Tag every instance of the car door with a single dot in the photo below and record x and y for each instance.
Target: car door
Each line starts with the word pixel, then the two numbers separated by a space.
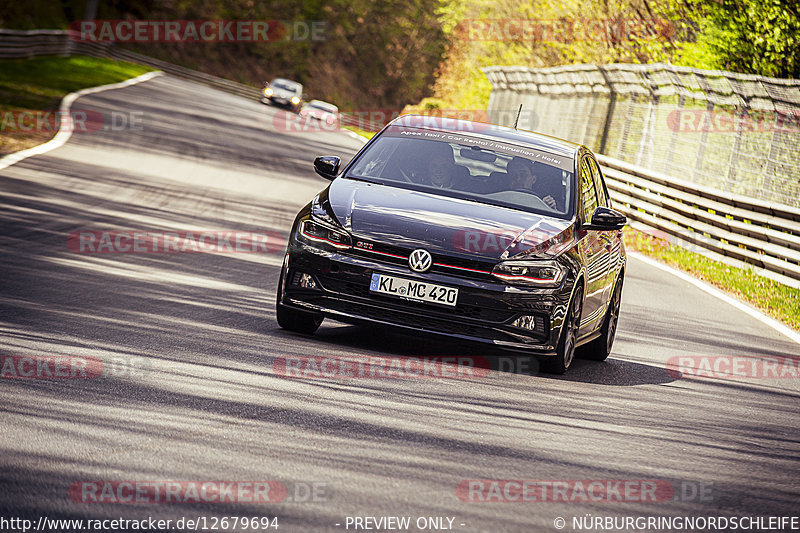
pixel 594 252
pixel 612 240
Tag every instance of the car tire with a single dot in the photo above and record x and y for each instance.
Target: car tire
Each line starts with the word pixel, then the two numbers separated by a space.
pixel 294 319
pixel 600 348
pixel 297 321
pixel 565 350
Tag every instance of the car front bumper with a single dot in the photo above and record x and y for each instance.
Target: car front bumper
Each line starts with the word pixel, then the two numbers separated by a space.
pixel 484 311
pixel 277 100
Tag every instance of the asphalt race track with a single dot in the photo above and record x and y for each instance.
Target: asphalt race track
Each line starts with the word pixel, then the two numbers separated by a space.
pixel 188 341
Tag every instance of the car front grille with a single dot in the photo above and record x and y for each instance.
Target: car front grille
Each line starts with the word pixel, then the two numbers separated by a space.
pixel 442 264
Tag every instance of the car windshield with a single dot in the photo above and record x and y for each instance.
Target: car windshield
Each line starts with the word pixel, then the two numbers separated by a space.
pixel 472 168
pixel 286 86
pixel 329 108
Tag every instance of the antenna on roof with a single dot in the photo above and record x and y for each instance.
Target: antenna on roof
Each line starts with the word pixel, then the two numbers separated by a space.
pixel 519 112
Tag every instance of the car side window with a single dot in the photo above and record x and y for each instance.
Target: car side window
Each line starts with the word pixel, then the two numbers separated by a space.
pixel 588 190
pixel 598 182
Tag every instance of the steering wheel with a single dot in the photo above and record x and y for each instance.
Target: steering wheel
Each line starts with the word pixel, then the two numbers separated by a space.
pixel 539 201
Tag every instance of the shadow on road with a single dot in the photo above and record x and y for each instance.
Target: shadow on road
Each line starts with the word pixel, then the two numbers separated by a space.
pixel 384 341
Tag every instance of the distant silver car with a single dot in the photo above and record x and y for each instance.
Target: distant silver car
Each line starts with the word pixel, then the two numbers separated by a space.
pixel 322 111
pixel 285 93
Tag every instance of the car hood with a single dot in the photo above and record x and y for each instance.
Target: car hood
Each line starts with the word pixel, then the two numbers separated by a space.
pixel 450 226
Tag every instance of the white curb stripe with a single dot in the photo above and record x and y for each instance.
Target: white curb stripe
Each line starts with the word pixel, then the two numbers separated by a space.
pixel 357 137
pixel 65 128
pixel 713 291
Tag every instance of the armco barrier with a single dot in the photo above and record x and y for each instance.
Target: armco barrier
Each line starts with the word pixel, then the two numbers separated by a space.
pixel 759 233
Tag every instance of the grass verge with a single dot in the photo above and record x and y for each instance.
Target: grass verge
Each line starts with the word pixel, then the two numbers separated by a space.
pixel 363 133
pixel 775 299
pixel 38 85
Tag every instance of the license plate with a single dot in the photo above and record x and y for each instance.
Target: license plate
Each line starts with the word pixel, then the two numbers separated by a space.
pixel 419 291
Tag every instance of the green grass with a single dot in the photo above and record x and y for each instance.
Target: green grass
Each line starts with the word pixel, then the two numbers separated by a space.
pixel 363 133
pixel 775 299
pixel 39 84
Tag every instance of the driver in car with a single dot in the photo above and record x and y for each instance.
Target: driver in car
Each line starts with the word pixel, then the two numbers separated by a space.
pixel 523 178
pixel 441 171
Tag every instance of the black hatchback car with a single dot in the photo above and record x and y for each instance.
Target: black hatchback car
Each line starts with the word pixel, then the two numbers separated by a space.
pixel 465 229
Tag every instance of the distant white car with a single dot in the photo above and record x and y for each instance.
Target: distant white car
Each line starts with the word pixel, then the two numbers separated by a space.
pixel 322 111
pixel 286 93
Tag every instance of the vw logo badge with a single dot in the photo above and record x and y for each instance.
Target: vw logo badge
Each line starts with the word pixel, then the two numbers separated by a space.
pixel 420 260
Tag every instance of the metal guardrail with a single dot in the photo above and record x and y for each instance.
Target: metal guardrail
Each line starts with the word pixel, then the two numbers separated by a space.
pixel 759 233
pixel 16 44
pixel 356 120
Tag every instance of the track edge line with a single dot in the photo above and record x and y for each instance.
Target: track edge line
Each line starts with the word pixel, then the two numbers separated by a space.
pixel 725 297
pixel 65 128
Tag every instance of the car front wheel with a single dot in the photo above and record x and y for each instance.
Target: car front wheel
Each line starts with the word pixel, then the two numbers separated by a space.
pixel 297 321
pixel 600 348
pixel 565 351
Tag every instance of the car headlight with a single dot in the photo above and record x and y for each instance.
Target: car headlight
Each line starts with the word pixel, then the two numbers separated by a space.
pixel 295 100
pixel 267 92
pixel 534 273
pixel 316 232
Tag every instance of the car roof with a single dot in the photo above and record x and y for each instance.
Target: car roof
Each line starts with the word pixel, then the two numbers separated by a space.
pixel 490 131
pixel 284 80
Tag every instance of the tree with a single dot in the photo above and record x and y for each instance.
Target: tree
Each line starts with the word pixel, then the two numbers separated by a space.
pixel 748 36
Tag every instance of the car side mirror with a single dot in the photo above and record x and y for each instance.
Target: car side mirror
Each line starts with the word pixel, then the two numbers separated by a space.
pixel 605 219
pixel 327 166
